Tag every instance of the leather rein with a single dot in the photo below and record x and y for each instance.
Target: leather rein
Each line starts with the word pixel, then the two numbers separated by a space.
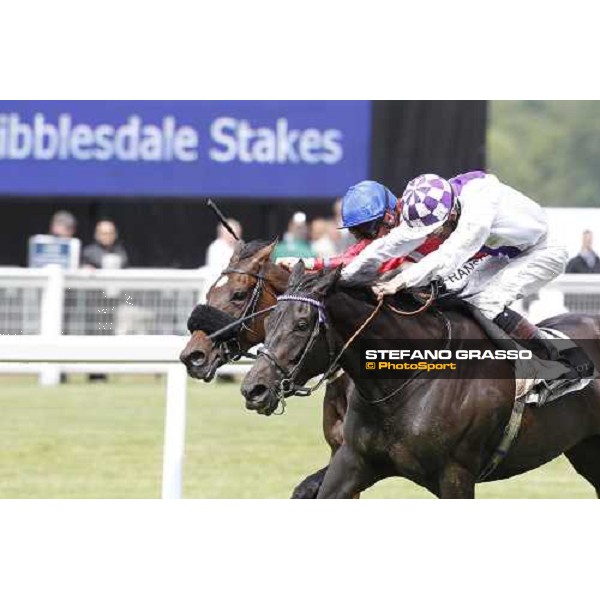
pixel 288 387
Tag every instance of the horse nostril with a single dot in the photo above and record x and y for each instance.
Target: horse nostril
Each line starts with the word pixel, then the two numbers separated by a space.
pixel 259 390
pixel 196 359
pixel 255 392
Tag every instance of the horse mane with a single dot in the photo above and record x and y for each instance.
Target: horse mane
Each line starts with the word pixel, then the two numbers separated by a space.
pixel 210 319
pixel 407 299
pixel 306 282
pixel 404 300
pixel 249 249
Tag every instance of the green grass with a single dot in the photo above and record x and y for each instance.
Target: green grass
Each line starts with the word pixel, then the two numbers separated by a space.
pixel 83 440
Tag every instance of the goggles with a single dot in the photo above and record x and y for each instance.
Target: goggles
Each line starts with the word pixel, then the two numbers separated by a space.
pixel 367 230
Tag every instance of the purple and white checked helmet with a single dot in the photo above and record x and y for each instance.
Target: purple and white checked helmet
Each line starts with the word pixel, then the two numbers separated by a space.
pixel 426 202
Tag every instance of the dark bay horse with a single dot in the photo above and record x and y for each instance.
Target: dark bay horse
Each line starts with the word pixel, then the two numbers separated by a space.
pixel 438 433
pixel 250 283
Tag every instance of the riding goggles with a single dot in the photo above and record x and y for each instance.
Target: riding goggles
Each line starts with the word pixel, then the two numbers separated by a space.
pixel 368 230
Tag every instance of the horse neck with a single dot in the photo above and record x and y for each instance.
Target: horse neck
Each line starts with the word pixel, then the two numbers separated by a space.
pixel 346 314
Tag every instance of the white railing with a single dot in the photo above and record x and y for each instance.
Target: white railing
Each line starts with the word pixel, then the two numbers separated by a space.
pixel 40 296
pixel 119 354
pixel 567 293
pixel 153 354
pixel 52 301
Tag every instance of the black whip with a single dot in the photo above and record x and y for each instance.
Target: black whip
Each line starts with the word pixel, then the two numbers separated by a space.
pixel 221 218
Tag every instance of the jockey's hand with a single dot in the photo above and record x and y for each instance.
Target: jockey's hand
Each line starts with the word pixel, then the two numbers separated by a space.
pixel 388 288
pixel 289 262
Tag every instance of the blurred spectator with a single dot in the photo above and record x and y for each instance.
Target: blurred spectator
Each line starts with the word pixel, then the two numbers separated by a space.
pixel 587 261
pixel 322 234
pixel 106 252
pixel 220 250
pixel 295 239
pixel 59 246
pixel 343 238
pixel 63 224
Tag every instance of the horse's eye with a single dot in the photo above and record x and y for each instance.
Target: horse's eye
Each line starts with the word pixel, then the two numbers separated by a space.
pixel 239 295
pixel 302 325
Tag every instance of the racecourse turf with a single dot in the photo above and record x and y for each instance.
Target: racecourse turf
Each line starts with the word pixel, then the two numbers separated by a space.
pixel 104 440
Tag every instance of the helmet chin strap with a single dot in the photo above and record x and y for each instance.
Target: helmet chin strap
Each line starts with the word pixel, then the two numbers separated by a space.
pixel 390 218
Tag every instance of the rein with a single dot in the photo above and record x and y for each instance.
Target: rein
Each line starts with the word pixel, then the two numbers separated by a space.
pixel 287 387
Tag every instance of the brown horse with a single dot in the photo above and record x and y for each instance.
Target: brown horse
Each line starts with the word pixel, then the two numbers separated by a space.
pixel 250 283
pixel 438 433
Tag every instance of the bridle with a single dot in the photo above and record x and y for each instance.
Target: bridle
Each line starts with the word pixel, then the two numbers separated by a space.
pixel 288 387
pixel 231 348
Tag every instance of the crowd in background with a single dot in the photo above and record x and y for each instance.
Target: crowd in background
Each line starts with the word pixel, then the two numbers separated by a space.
pixel 105 252
pixel 304 239
pixel 319 237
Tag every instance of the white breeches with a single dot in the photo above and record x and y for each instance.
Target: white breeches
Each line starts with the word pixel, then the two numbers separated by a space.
pixel 495 282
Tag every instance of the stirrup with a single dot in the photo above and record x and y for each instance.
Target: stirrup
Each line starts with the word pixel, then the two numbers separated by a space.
pixel 546 389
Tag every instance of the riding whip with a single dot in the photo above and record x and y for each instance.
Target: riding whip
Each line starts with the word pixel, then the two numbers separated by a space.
pixel 221 218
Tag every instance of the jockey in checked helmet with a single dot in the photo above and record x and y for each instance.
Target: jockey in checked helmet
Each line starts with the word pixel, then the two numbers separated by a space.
pixel 487 241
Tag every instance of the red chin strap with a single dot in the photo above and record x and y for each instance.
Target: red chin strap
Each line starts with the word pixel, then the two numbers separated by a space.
pixel 390 218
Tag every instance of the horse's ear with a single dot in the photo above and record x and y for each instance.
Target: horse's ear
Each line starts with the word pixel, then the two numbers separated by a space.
pixel 264 254
pixel 327 279
pixel 296 274
pixel 237 248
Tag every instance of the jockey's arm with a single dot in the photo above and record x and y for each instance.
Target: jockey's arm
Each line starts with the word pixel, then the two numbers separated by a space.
pixel 479 206
pixel 316 264
pixel 365 267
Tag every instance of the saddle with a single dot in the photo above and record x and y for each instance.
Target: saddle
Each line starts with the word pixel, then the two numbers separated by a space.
pixel 540 381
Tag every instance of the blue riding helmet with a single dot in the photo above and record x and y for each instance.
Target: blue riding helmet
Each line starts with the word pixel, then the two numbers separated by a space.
pixel 364 202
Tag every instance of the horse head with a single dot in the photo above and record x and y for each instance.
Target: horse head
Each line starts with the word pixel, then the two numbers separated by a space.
pixel 297 346
pixel 249 283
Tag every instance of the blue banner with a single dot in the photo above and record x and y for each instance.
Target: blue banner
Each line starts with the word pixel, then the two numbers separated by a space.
pixel 189 148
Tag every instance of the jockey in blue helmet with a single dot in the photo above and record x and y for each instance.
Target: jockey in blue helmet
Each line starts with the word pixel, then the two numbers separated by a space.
pixel 369 211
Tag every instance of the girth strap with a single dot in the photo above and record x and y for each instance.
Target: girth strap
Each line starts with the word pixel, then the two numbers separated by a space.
pixel 508 437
